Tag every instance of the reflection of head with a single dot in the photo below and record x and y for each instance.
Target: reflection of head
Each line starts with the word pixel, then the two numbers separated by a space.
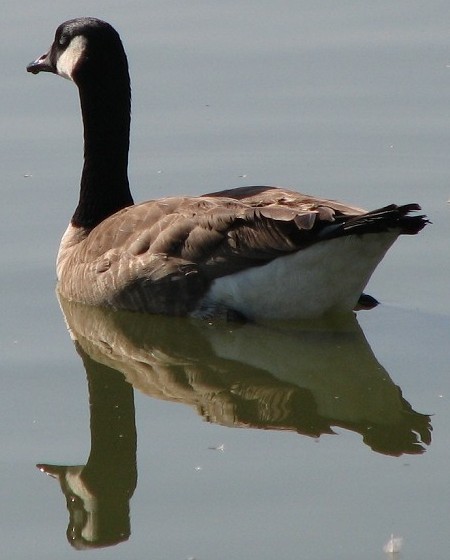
pixel 94 520
pixel 98 493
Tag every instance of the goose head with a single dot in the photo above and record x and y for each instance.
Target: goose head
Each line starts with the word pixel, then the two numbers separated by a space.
pixel 83 47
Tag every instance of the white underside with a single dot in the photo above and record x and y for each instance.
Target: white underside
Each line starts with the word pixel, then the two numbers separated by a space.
pixel 324 278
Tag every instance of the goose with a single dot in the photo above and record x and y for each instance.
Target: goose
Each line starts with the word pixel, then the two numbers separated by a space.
pixel 252 253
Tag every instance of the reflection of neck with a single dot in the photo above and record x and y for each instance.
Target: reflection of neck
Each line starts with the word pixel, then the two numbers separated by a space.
pixel 111 469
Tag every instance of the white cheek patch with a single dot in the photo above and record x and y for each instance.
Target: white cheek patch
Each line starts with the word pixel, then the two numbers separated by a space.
pixel 70 57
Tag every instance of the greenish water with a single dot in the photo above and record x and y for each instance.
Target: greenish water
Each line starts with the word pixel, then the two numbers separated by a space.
pixel 317 441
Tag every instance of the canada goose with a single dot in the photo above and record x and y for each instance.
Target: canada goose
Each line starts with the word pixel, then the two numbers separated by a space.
pixel 253 252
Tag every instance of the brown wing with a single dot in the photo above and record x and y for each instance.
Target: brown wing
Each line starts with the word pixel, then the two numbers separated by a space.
pixel 179 245
pixel 268 196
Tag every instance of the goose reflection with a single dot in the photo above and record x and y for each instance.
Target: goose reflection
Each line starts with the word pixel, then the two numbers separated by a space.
pixel 307 380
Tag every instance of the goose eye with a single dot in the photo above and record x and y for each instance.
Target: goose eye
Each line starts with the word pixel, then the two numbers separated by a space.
pixel 63 40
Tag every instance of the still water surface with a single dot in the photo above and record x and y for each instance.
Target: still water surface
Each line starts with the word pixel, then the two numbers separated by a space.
pixel 236 441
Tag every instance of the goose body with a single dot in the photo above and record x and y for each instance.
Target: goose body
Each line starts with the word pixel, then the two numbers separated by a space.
pixel 255 252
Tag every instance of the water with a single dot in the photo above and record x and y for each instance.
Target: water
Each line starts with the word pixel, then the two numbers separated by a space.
pixel 347 101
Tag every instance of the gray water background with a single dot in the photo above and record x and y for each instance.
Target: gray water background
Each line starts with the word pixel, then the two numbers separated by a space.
pixel 346 100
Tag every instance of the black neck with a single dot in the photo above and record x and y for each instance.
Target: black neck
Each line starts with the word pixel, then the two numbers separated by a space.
pixel 105 107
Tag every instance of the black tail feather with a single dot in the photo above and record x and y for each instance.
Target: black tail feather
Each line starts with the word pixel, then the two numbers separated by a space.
pixel 377 221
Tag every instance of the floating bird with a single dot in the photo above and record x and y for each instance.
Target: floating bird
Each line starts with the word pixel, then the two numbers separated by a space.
pixel 254 252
